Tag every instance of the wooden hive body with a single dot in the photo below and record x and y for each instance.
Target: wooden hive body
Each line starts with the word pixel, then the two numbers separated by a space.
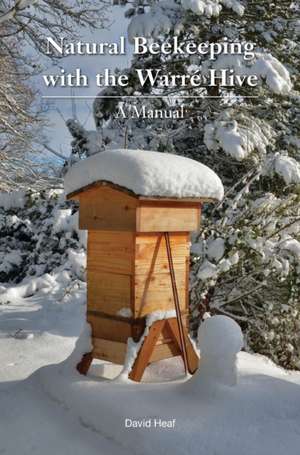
pixel 128 274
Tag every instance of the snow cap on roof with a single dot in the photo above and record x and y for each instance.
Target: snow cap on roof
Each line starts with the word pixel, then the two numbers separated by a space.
pixel 146 173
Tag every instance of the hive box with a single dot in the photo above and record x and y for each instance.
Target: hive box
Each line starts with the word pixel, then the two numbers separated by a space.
pixel 128 274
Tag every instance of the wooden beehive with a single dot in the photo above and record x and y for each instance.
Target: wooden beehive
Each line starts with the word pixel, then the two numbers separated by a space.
pixel 128 275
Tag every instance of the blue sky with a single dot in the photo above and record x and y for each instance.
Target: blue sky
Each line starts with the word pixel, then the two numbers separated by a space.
pixel 57 134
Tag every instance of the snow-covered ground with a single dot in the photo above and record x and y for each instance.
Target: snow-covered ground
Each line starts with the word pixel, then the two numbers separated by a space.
pixel 46 407
pixel 54 410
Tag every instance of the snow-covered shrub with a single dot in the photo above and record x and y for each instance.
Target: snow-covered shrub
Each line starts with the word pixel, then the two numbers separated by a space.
pixel 253 272
pixel 39 237
pixel 239 135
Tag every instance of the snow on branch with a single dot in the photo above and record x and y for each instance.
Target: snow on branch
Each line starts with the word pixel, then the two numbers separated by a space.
pixel 158 21
pixel 285 166
pixel 237 136
pixel 19 6
pixel 33 20
pixel 212 8
pixel 166 14
pixel 264 65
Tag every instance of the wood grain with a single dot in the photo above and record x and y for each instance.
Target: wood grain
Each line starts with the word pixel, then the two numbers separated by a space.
pixel 109 329
pixel 145 246
pixel 108 292
pixel 107 209
pixel 159 295
pixel 113 351
pixel 146 350
pixel 112 252
pixel 163 217
pixel 164 351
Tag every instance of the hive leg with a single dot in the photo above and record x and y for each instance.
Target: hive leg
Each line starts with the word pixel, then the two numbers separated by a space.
pixel 146 350
pixel 192 357
pixel 85 363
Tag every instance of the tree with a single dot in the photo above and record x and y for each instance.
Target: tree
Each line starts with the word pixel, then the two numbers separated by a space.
pixel 246 257
pixel 33 20
pixel 25 24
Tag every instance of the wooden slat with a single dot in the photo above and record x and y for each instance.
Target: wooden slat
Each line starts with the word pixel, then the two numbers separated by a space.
pixel 110 251
pixel 108 292
pixel 164 351
pixel 162 217
pixel 109 329
pixel 159 295
pixel 107 209
pixel 144 250
pixel 194 200
pixel 113 351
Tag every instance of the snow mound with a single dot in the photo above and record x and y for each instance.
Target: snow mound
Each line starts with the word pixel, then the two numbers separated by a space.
pixel 147 173
pixel 219 336
pixel 220 340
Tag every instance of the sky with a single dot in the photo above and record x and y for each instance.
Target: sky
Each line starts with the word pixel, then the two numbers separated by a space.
pixel 59 110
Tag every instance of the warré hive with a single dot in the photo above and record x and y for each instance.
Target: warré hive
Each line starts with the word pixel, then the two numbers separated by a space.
pixel 128 272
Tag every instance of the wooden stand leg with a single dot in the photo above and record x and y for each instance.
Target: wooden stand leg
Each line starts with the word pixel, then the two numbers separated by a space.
pixel 85 363
pixel 192 357
pixel 146 350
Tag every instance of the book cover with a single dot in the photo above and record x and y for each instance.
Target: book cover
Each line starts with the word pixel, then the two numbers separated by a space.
pixel 149 227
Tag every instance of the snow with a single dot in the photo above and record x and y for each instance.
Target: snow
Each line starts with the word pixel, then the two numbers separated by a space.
pixel 212 8
pixel 237 138
pixel 293 246
pixel 61 222
pixel 207 270
pixel 77 261
pixel 235 5
pixel 147 173
pixel 215 249
pixel 15 199
pixel 287 167
pixel 31 285
pixel 266 67
pixel 220 339
pixel 9 260
pixel 55 410
pixel 125 312
pixel 203 7
pixel 154 23
pixel 219 336
pixel 164 15
pixel 149 25
pixel 275 74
